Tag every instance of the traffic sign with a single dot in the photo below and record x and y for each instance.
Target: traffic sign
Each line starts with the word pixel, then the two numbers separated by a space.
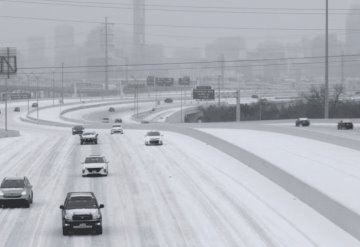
pixel 204 93
pixel 16 96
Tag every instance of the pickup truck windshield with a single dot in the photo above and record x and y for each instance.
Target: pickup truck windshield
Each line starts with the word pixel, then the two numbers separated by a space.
pixel 153 133
pixel 94 160
pixel 81 202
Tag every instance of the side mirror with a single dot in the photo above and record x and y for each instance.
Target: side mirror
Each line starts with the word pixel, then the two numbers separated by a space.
pixel 101 206
pixel 61 206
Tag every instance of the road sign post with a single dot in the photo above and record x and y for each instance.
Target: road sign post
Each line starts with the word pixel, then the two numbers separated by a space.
pixel 8 66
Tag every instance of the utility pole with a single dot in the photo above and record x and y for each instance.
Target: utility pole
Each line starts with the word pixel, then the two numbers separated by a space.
pixel 106 56
pixel 62 83
pixel 326 103
pixel 126 72
pixel 260 108
pixel 219 90
pixel 37 98
pixel 181 105
pixel 238 110
pixel 342 68
pixel 53 87
pixel 222 70
pixel 28 89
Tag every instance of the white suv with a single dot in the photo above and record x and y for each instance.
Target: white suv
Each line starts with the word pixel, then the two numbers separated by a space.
pixel 117 128
pixel 153 138
pixel 95 165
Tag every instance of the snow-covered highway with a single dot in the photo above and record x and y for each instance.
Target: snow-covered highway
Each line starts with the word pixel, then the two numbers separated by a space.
pixel 185 193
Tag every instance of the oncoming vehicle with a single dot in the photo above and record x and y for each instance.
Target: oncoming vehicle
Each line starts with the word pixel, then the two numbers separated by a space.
pixel 89 137
pixel 77 130
pixel 304 122
pixel 95 165
pixel 117 128
pixel 17 109
pixel 81 211
pixel 153 138
pixel 111 109
pixel 16 189
pixel 34 104
pixel 168 100
pixel 105 120
pixel 118 120
pixel 345 124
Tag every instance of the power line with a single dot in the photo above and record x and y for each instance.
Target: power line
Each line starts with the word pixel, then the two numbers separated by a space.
pixel 206 68
pixel 167 9
pixel 179 26
pixel 193 6
pixel 190 63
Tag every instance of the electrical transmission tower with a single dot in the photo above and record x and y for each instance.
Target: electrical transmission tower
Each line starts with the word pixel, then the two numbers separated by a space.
pixel 139 30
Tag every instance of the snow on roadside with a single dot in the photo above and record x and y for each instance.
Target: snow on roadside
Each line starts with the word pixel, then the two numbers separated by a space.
pixel 317 163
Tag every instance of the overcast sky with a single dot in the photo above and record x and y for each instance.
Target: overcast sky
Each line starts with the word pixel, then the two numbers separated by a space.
pixel 14 32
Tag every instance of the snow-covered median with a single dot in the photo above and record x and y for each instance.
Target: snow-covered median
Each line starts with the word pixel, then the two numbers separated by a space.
pixel 332 169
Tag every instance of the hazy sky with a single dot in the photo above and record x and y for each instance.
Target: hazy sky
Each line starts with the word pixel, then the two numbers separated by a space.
pixel 14 32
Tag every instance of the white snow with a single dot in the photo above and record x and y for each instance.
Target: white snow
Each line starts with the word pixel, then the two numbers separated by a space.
pixel 332 169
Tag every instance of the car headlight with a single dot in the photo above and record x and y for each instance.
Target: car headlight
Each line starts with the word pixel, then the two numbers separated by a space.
pixel 97 216
pixel 23 193
pixel 68 217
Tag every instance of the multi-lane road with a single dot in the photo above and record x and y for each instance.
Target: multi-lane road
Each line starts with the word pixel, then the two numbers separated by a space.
pixel 184 193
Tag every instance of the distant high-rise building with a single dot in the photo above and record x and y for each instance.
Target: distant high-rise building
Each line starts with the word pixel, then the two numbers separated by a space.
pixel 229 47
pixel 64 45
pixel 36 56
pixel 352 43
pixel 138 31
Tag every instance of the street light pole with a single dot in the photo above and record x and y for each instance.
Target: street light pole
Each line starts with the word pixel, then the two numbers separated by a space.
pixel 326 103
pixel 62 83
pixel 53 87
pixel 28 89
pixel 37 98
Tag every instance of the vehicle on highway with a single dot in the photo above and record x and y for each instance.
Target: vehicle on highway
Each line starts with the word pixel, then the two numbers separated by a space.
pixel 118 120
pixel 117 128
pixel 168 100
pixel 95 165
pixel 34 104
pixel 105 120
pixel 81 211
pixel 254 96
pixel 77 130
pixel 153 138
pixel 145 121
pixel 17 109
pixel 345 124
pixel 111 109
pixel 16 190
pixel 89 137
pixel 304 122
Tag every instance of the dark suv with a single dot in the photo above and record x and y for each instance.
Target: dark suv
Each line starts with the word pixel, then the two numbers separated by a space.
pixel 77 130
pixel 81 211
pixel 304 122
pixel 16 189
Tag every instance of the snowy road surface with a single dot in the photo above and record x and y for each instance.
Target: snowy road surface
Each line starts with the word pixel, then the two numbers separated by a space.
pixel 184 193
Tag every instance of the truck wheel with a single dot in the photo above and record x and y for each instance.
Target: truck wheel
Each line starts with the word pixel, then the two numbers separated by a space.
pixel 99 230
pixel 32 198
pixel 65 231
pixel 95 141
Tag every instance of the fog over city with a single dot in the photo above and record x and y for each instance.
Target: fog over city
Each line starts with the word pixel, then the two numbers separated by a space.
pixel 179 123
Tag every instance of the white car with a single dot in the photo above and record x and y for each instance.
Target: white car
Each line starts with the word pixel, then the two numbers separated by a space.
pixel 95 165
pixel 117 128
pixel 154 138
pixel 106 120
